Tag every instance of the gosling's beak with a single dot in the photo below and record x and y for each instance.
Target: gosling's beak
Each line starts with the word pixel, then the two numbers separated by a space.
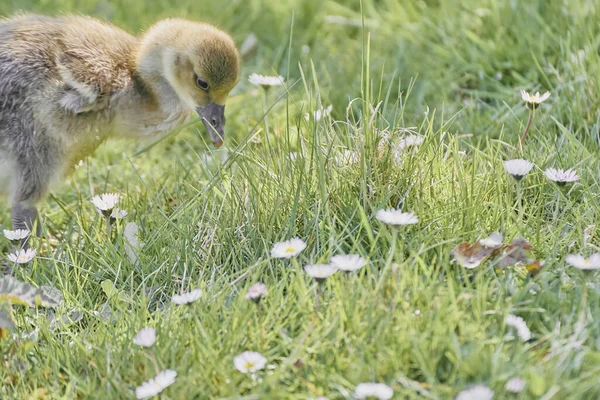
pixel 213 118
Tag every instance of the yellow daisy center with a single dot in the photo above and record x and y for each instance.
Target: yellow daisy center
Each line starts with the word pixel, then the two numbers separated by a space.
pixel 248 365
pixel 290 249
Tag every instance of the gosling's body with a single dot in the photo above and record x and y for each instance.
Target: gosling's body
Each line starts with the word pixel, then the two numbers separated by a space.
pixel 69 83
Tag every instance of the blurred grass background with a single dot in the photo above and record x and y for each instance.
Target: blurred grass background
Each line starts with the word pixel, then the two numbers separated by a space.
pixel 463 52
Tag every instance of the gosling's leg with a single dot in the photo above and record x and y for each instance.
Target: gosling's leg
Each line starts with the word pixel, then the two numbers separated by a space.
pixel 25 217
pixel 29 189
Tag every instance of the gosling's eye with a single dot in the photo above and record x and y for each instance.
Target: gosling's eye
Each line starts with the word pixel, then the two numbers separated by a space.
pixel 201 83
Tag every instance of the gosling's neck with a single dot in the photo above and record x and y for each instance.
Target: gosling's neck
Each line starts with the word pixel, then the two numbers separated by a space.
pixel 151 106
pixel 150 68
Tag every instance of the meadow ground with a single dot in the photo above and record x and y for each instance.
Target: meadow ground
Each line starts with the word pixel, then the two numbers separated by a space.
pixel 447 70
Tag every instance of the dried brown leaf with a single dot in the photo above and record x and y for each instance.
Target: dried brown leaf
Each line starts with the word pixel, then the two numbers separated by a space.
pixel 471 255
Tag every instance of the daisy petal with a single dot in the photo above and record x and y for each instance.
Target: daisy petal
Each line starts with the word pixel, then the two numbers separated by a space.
pixel 348 262
pixel 249 361
pixel 580 262
pixel 288 249
pixel 517 168
pixel 320 271
pixel 266 81
pixel 18 234
pixel 187 298
pixel 520 326
pixel 156 385
pixel 396 217
pixel 379 391
pixel 476 392
pixel 145 337
pixel 22 256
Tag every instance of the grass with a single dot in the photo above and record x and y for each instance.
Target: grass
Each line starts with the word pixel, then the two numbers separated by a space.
pixel 448 70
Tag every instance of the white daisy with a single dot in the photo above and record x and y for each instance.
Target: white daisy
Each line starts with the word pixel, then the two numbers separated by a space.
pixel 145 337
pixel 18 234
pixel 117 213
pixel 476 392
pixel 249 361
pixel 348 262
pixel 156 385
pixel 534 99
pixel 396 217
pixel 410 141
pixel 288 249
pixel 402 145
pixel 379 391
pixel 22 256
pixel 266 81
pixel 580 262
pixel 256 291
pixel 518 168
pixel 187 298
pixel 520 326
pixel 320 271
pixel 494 241
pixel 561 176
pixel 515 385
pixel 105 202
pixel 320 113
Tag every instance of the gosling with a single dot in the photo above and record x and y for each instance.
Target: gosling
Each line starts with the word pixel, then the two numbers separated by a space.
pixel 69 83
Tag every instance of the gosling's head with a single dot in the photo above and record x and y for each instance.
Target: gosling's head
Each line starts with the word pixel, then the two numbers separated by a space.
pixel 199 62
